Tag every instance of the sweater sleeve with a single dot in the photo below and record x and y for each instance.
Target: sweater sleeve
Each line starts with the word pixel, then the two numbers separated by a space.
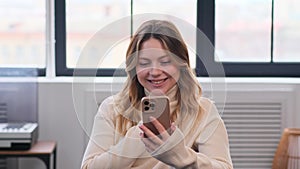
pixel 102 152
pixel 212 143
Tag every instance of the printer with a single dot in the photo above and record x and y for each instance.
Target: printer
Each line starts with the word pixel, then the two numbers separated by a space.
pixel 18 114
pixel 18 136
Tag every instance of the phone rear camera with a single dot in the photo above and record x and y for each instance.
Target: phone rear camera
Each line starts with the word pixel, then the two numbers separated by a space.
pixel 152 105
pixel 146 102
pixel 146 108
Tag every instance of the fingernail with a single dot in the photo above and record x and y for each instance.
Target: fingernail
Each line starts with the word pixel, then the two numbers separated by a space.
pixel 142 127
pixel 173 127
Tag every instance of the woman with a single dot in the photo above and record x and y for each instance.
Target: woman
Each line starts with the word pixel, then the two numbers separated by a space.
pixel 157 61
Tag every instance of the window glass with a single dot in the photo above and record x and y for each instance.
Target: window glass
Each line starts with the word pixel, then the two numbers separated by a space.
pixel 243 30
pixel 182 9
pixel 84 20
pixel 22 26
pixel 286 31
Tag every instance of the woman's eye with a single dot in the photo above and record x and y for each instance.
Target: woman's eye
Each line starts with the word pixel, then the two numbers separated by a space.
pixel 165 62
pixel 144 63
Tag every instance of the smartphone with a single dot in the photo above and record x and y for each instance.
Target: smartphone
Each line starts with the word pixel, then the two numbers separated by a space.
pixel 159 108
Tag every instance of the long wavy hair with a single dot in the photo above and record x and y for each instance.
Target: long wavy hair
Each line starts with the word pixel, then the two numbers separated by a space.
pixel 127 101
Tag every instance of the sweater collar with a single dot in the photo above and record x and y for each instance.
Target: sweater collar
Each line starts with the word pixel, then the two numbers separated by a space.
pixel 171 94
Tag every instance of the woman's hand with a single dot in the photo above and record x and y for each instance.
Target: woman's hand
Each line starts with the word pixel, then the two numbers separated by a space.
pixel 152 141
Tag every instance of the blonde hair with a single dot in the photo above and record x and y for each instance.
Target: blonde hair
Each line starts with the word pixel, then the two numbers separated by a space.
pixel 127 101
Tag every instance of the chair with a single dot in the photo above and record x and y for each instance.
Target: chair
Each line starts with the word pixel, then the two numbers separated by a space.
pixel 287 155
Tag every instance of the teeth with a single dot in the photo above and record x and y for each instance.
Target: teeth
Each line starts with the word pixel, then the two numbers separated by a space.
pixel 157 82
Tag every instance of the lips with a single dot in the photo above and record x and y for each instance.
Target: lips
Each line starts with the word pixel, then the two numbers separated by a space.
pixel 158 82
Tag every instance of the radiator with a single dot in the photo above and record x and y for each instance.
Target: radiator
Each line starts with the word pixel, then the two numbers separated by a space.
pixel 254 130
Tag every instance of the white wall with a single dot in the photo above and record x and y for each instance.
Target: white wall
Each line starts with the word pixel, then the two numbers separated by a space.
pixel 58 119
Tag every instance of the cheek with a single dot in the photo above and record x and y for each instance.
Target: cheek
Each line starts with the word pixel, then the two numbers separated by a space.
pixel 174 72
pixel 141 74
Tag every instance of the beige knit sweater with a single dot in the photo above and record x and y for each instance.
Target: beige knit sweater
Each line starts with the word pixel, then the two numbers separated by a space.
pixel 108 150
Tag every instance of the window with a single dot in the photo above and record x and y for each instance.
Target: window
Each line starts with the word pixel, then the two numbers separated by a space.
pixel 286 31
pixel 84 21
pixel 252 38
pixel 23 41
pixel 236 25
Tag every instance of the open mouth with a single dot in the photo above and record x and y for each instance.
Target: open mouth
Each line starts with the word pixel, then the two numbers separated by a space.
pixel 157 82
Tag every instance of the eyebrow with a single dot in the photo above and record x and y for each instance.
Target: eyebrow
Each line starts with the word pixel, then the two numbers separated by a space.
pixel 160 57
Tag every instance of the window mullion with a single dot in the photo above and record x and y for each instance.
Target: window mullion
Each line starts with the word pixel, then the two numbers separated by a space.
pixel 272 32
pixel 50 39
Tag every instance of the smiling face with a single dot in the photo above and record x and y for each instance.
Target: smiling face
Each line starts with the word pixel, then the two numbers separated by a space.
pixel 155 68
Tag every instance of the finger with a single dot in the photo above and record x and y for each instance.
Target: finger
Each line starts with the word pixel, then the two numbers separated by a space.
pixel 142 134
pixel 149 145
pixel 160 128
pixel 173 127
pixel 150 135
pixel 146 131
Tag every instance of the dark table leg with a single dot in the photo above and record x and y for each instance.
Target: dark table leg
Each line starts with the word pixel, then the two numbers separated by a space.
pixel 46 160
pixel 54 158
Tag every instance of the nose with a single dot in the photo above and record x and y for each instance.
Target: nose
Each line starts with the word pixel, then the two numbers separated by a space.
pixel 154 71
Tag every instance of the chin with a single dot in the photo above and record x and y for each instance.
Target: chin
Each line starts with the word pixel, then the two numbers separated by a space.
pixel 158 91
